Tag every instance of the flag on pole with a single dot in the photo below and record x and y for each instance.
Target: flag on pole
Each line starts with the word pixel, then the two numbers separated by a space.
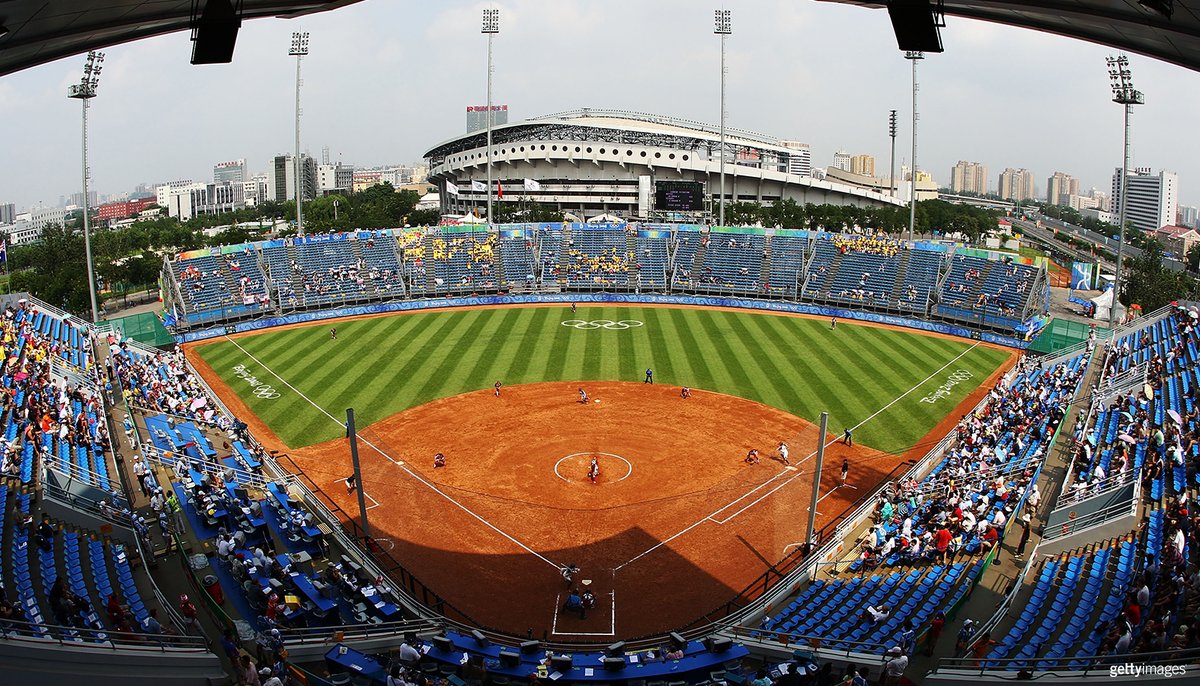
pixel 4 250
pixel 451 188
pixel 531 185
pixel 171 318
pixel 479 186
pixel 499 190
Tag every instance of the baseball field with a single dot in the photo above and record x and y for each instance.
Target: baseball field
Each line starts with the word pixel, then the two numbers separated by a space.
pixel 676 523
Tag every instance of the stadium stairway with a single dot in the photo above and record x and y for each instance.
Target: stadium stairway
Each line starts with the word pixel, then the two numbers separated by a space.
pixel 828 278
pixel 901 272
pixel 696 268
pixel 564 259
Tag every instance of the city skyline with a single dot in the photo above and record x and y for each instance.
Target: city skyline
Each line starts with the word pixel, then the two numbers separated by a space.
pixel 156 117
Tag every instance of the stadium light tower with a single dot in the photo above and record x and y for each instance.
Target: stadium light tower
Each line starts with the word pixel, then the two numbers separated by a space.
pixel 298 49
pixel 723 28
pixel 914 56
pixel 84 91
pixel 892 164
pixel 491 26
pixel 1123 94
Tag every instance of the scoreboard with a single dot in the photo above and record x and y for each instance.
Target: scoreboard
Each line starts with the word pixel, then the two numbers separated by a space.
pixel 679 196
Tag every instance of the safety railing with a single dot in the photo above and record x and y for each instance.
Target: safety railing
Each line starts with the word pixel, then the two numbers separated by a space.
pixel 12 630
pixel 1093 489
pixel 1093 519
pixel 1081 666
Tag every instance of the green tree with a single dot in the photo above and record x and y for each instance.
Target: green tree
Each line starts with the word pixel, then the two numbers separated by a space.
pixel 427 217
pixel 53 271
pixel 1152 285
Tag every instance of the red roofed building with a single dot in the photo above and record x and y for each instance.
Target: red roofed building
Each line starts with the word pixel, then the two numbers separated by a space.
pixel 1178 239
pixel 111 211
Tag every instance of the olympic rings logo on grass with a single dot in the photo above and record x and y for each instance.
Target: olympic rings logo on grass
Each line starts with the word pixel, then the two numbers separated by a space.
pixel 261 389
pixel 956 377
pixel 608 324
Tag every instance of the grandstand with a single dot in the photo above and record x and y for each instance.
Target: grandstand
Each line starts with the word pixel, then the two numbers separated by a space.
pixel 279 559
pixel 860 272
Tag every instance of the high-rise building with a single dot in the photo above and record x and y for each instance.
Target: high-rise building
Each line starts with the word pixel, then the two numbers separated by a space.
pixel 841 160
pixel 335 177
pixel 205 198
pixel 281 181
pixel 76 199
pixel 1153 198
pixel 477 116
pixel 1060 187
pixel 968 177
pixel 162 192
pixel 254 189
pixel 1016 184
pixel 800 160
pixel 8 213
pixel 1188 216
pixel 230 172
pixel 863 165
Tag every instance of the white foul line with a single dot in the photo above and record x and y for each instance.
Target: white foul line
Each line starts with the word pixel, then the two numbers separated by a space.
pixel 396 462
pixel 710 517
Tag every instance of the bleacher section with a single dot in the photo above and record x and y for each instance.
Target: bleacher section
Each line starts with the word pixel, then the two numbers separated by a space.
pixel 923 529
pixel 202 284
pixel 732 263
pixel 597 257
pixel 459 261
pixel 517 262
pixel 787 255
pixel 860 270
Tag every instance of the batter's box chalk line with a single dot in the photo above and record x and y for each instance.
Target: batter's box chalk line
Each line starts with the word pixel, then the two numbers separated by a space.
pixel 374 503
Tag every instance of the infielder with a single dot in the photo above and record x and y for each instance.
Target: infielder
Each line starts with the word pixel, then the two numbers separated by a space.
pixel 594 470
pixel 783 452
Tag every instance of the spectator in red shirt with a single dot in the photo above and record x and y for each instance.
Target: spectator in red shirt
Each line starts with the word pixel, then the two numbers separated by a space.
pixel 1133 612
pixel 941 541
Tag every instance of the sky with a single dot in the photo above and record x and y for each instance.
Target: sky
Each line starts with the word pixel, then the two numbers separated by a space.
pixel 388 79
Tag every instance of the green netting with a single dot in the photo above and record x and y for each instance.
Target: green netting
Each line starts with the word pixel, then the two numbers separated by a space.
pixel 144 328
pixel 1059 334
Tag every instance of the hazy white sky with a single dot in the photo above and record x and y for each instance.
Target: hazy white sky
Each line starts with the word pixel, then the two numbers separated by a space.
pixel 387 79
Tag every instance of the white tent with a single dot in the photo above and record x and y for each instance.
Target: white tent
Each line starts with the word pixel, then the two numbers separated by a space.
pixel 605 219
pixel 570 218
pixel 1103 302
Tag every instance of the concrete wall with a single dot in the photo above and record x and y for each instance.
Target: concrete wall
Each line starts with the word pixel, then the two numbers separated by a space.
pixel 49 663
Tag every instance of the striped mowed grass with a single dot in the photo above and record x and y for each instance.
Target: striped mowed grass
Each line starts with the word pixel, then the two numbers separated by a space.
pixel 380 366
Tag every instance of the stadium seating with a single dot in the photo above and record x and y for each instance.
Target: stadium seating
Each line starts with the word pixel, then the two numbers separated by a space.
pixel 459 262
pixel 787 255
pixel 730 262
pixel 597 257
pixel 857 270
pixel 203 284
pixel 517 262
pixel 651 260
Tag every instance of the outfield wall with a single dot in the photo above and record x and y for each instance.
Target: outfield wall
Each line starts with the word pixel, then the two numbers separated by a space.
pixel 603 298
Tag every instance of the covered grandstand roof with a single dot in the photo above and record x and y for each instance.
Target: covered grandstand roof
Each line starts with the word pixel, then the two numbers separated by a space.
pixel 614 126
pixel 40 31
pixel 1124 24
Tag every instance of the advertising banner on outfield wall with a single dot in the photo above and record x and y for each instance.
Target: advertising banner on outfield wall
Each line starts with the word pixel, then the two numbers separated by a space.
pixel 738 303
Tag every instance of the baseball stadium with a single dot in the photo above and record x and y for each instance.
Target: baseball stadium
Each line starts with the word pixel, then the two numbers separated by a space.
pixel 634 447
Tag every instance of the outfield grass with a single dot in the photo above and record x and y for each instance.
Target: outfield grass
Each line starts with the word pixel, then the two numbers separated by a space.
pixel 384 365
